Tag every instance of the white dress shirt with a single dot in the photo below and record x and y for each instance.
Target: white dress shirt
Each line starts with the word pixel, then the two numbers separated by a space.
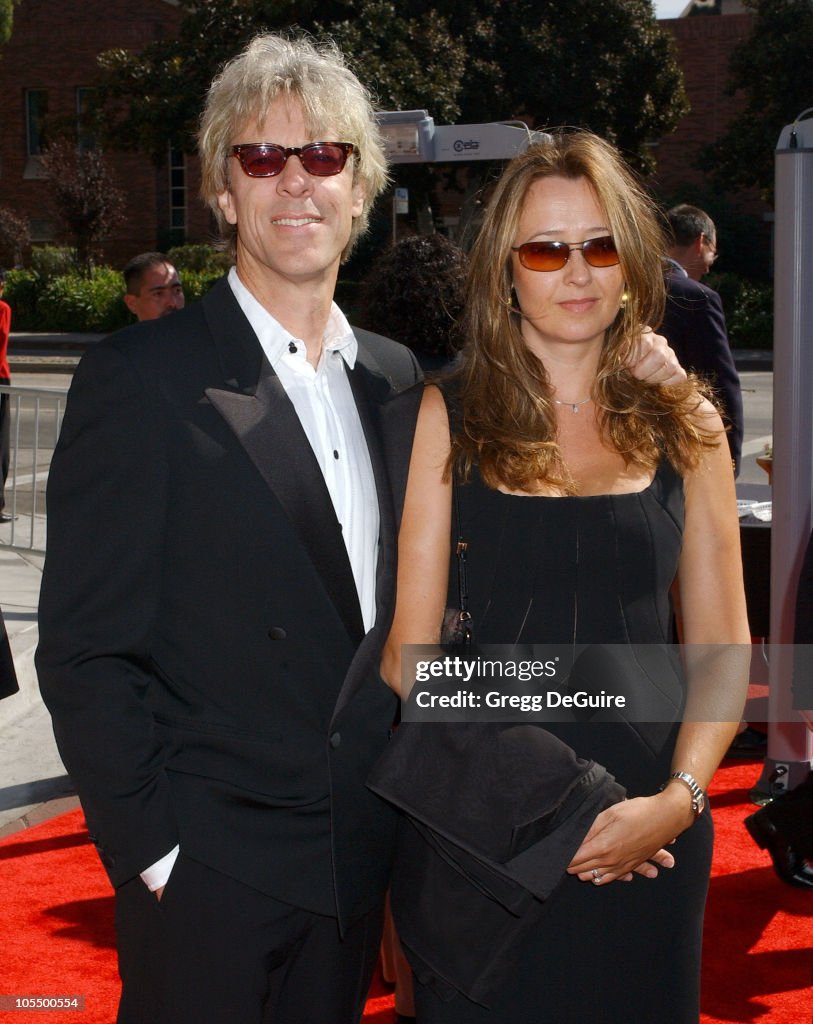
pixel 324 403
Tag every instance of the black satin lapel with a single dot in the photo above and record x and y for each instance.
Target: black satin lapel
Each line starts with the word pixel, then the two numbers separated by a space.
pixel 238 348
pixel 268 428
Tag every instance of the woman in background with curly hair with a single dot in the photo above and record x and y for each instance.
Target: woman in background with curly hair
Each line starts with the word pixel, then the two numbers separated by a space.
pixel 584 495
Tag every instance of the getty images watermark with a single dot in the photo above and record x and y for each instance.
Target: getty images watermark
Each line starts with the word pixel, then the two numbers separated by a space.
pixel 577 682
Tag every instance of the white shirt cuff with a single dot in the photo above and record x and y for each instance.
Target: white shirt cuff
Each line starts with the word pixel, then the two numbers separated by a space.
pixel 157 874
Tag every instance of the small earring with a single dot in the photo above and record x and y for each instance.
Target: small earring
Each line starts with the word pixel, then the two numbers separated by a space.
pixel 511 301
pixel 624 300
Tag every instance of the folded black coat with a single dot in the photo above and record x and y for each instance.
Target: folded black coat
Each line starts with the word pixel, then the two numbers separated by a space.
pixel 8 677
pixel 493 816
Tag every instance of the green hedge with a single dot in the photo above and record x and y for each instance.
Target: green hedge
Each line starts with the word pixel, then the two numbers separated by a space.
pixel 74 303
pixel 198 258
pixel 70 302
pixel 748 309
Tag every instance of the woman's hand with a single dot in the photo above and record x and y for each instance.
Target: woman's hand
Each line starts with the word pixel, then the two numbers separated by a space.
pixel 654 361
pixel 629 837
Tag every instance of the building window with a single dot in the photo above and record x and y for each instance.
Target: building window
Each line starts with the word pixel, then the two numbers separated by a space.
pixel 84 133
pixel 177 195
pixel 36 110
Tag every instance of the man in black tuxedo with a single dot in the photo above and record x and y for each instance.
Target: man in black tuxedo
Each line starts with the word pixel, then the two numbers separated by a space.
pixel 223 507
pixel 694 322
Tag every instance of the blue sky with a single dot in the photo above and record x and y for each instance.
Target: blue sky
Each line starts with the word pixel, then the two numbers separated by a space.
pixel 669 8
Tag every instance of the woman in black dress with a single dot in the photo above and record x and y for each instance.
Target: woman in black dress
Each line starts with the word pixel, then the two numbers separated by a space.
pixel 584 495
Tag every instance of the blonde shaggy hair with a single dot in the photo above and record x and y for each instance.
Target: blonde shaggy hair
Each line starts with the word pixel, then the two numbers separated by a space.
pixel 506 415
pixel 333 100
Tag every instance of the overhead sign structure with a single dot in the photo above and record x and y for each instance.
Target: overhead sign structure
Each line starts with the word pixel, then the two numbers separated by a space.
pixel 412 137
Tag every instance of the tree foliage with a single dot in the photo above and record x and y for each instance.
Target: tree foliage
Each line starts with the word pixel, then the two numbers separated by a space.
pixel 84 197
pixel 6 19
pixel 15 236
pixel 602 64
pixel 774 70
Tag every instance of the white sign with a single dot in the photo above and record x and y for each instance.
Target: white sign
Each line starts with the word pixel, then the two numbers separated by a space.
pixel 401 200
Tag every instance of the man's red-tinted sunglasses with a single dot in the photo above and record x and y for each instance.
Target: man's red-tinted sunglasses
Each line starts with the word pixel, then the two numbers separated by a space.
pixel 546 256
pixel 266 159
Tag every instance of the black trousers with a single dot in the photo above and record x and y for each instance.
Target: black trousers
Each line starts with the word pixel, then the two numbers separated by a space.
pixel 215 951
pixel 5 441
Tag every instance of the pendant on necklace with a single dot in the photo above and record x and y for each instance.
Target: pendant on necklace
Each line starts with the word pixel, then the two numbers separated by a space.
pixel 574 406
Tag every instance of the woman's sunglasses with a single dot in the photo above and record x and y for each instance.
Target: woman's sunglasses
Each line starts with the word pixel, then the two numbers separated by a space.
pixel 547 256
pixel 266 159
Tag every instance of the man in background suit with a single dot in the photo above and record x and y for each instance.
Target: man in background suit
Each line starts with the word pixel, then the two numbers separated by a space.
pixel 694 322
pixel 152 286
pixel 223 509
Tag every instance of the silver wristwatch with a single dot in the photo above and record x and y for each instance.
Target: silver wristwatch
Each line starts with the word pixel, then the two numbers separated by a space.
pixel 698 796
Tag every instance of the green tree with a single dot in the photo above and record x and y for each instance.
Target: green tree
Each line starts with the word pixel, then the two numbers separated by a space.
pixel 15 235
pixel 6 19
pixel 603 64
pixel 147 97
pixel 774 71
pixel 606 65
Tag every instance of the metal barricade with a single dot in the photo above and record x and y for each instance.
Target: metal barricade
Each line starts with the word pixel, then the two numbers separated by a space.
pixel 36 419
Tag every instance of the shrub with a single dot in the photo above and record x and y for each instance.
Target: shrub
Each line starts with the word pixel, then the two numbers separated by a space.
pixel 76 303
pixel 65 304
pixel 751 322
pixel 199 258
pixel 49 261
pixel 748 307
pixel 22 292
pixel 197 283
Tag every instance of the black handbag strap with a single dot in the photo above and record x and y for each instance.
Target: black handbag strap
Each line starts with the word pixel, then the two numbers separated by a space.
pixel 461 550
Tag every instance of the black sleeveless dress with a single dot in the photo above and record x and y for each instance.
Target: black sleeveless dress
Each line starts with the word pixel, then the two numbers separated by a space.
pixel 594 569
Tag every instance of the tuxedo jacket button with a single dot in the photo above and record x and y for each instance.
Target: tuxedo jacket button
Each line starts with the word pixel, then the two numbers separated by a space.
pixel 277 633
pixel 335 739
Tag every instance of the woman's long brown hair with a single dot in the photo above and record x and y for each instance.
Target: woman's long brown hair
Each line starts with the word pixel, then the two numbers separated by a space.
pixel 505 419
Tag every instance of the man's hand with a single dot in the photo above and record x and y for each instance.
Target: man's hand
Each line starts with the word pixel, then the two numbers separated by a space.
pixel 654 361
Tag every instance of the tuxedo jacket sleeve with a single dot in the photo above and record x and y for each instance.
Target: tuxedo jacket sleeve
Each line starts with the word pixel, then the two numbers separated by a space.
pixel 201 648
pixel 694 325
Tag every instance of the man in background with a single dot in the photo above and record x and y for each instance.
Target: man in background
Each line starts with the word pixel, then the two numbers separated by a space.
pixel 694 322
pixel 153 287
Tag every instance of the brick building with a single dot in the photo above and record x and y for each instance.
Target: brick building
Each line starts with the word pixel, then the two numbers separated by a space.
pixel 46 72
pixel 49 65
pixel 704 46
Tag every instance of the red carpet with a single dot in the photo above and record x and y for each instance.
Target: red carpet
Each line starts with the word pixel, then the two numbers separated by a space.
pixel 57 931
